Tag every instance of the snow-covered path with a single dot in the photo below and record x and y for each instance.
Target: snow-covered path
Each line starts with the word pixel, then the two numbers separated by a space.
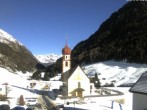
pixel 105 103
pixel 99 104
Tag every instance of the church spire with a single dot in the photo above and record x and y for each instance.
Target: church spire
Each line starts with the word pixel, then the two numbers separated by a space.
pixel 66 50
pixel 66 39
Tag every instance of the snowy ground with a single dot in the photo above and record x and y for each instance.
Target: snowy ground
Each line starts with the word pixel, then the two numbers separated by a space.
pixel 105 103
pixel 117 72
pixel 109 70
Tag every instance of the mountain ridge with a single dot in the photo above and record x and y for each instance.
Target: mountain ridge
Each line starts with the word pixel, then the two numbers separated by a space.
pixel 14 56
pixel 120 38
pixel 48 58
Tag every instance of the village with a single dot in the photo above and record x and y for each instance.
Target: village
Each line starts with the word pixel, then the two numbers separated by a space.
pixel 104 67
pixel 69 90
pixel 47 96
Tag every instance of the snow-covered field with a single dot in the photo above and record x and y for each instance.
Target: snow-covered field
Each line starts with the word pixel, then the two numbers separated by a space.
pixel 107 71
pixel 101 103
pixel 117 72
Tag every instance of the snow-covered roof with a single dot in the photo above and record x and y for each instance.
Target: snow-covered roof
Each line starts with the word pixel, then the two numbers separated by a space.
pixel 141 85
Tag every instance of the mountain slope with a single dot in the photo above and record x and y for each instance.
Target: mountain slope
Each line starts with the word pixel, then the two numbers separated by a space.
pixel 122 37
pixel 14 56
pixel 118 73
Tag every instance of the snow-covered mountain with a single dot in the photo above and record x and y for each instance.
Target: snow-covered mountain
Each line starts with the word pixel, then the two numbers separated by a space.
pixel 14 56
pixel 7 38
pixel 48 58
pixel 108 71
pixel 119 73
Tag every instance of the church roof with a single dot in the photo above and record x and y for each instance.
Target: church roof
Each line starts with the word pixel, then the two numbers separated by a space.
pixel 141 85
pixel 66 50
pixel 67 74
pixel 77 90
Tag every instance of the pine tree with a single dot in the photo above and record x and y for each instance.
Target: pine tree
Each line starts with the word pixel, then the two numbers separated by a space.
pixel 97 83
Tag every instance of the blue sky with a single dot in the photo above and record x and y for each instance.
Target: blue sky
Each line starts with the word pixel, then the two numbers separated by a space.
pixel 42 25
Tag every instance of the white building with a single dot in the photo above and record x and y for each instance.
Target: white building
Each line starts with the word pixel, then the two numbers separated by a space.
pixel 139 91
pixel 66 60
pixel 75 81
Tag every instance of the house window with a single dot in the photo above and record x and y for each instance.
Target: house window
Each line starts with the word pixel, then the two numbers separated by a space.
pixel 66 64
pixel 90 86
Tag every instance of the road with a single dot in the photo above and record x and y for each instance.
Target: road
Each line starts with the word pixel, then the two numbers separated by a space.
pixel 46 102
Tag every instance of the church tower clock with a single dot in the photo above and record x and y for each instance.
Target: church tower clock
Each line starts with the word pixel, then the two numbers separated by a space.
pixel 66 59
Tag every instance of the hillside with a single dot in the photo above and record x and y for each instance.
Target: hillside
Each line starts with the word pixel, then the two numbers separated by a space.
pixel 14 56
pixel 118 73
pixel 122 37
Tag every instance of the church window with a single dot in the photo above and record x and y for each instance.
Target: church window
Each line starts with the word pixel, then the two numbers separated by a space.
pixel 66 57
pixel 79 84
pixel 66 64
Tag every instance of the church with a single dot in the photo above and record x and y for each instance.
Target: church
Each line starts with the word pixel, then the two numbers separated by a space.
pixel 75 81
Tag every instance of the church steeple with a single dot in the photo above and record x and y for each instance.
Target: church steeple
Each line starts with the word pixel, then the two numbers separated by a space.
pixel 66 61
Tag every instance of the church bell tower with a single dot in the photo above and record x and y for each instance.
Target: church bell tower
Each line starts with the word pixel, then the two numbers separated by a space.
pixel 66 59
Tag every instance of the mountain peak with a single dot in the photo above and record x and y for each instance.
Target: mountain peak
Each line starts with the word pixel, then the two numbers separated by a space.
pixel 6 38
pixel 14 56
pixel 48 58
